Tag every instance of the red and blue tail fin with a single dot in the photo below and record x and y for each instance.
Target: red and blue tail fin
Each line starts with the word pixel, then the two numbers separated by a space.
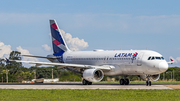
pixel 59 44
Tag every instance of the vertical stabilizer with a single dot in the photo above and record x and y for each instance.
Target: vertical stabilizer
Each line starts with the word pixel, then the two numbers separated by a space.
pixel 58 42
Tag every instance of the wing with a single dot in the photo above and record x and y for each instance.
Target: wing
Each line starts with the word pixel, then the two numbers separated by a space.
pixel 62 65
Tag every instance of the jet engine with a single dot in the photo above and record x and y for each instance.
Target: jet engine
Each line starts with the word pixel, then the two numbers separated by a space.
pixel 93 75
pixel 152 77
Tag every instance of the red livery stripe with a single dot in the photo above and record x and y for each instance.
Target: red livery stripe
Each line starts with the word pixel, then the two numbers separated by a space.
pixel 54 26
pixel 56 42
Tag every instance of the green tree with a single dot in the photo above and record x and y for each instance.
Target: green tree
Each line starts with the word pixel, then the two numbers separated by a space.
pixel 14 55
pixel 2 62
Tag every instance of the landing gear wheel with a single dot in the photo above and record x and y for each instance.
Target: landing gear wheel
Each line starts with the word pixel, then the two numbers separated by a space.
pixel 122 81
pixel 148 83
pixel 89 83
pixel 84 82
pixel 126 81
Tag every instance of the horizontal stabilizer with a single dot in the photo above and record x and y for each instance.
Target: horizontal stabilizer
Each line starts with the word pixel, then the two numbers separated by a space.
pixel 39 57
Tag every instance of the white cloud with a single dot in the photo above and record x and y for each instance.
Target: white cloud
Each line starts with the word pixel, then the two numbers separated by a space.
pixel 26 52
pixel 46 47
pixel 74 43
pixel 5 50
pixel 178 59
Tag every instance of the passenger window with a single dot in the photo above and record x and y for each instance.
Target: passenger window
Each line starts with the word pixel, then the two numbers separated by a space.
pixel 152 58
pixel 149 58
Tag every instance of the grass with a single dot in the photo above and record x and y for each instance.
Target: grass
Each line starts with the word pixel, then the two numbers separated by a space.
pixel 89 95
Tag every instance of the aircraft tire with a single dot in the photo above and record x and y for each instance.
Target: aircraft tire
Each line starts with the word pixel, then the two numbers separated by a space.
pixel 122 81
pixel 89 83
pixel 149 83
pixel 84 82
pixel 126 81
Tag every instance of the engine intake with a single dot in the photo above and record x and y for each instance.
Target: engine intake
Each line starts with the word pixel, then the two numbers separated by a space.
pixel 152 77
pixel 93 75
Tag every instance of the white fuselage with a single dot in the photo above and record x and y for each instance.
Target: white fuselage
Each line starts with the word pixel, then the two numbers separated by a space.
pixel 122 61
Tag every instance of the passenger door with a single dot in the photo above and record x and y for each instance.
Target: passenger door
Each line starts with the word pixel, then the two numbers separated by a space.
pixel 139 59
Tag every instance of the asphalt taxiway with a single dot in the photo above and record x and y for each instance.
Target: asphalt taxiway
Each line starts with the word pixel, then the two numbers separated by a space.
pixel 78 86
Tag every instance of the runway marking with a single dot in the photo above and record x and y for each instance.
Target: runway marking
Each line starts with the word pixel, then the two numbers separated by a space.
pixel 81 87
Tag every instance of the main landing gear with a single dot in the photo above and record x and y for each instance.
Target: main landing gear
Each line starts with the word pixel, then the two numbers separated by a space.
pixel 85 82
pixel 148 82
pixel 124 81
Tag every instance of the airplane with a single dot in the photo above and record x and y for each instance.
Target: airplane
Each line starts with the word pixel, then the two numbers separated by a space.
pixel 94 65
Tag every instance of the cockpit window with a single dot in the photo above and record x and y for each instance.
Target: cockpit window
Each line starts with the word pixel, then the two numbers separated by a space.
pixel 158 58
pixel 149 58
pixel 162 58
pixel 152 58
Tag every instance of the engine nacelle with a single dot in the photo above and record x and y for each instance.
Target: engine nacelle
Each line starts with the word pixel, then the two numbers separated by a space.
pixel 93 75
pixel 152 77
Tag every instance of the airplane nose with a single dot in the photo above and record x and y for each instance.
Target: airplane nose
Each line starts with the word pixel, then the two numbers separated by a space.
pixel 163 66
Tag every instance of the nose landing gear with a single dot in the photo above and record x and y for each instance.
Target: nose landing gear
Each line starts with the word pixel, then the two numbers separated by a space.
pixel 148 82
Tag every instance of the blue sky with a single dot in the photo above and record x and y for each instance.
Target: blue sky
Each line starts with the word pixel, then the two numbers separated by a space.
pixel 103 24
